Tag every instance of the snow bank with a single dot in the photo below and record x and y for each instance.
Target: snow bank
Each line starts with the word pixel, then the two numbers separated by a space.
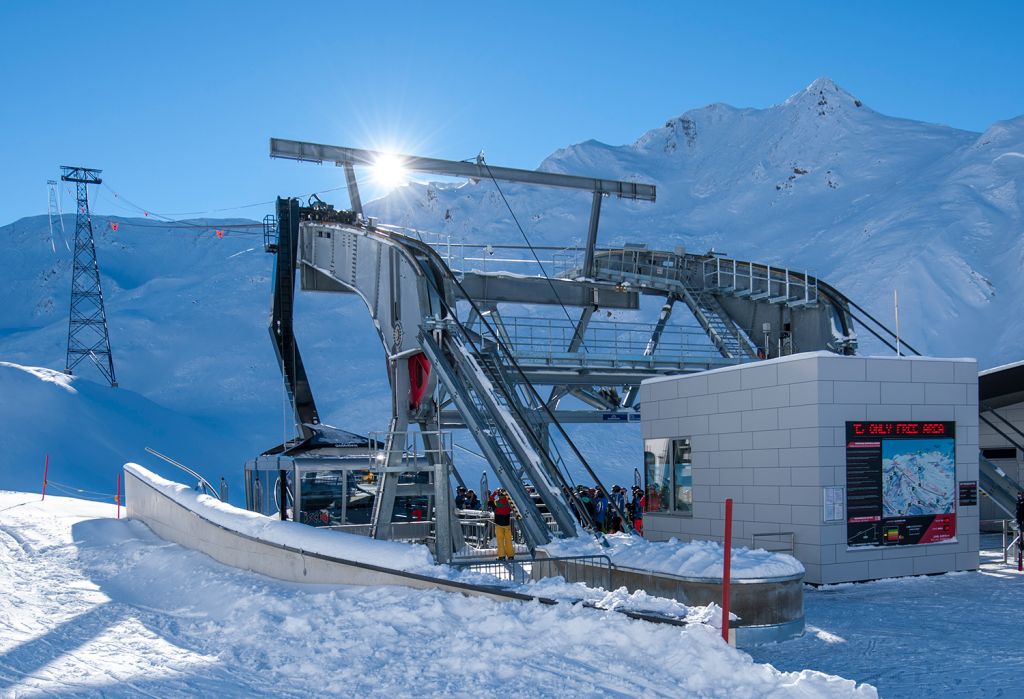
pixel 350 547
pixel 93 606
pixel 696 559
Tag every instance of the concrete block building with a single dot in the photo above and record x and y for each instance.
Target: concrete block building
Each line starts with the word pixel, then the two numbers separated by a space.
pixel 867 465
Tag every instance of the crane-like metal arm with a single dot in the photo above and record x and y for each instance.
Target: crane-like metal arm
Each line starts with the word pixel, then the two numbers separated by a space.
pixel 319 153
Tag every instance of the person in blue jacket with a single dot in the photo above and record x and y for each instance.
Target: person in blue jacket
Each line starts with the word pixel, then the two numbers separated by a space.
pixel 601 511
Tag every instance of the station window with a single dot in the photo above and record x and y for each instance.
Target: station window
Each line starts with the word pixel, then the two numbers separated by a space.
pixel 668 474
pixel 1000 453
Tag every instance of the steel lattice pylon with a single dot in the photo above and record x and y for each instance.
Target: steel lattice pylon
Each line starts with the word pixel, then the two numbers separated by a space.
pixel 87 325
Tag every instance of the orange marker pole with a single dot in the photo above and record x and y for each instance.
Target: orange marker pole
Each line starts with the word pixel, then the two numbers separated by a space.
pixel 725 569
pixel 46 471
pixel 117 497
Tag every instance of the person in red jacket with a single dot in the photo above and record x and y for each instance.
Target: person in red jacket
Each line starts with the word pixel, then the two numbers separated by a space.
pixel 502 506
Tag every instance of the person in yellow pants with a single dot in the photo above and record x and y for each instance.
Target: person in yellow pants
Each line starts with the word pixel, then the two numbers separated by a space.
pixel 502 506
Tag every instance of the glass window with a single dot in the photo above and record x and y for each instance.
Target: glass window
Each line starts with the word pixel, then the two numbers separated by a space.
pixel 668 473
pixel 657 474
pixel 682 477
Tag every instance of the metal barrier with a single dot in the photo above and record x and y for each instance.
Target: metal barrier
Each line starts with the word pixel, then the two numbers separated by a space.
pixel 1012 535
pixel 776 542
pixel 547 338
pixel 752 279
pixel 592 571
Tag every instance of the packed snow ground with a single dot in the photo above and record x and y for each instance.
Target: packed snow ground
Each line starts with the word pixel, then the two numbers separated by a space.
pixel 952 635
pixel 95 606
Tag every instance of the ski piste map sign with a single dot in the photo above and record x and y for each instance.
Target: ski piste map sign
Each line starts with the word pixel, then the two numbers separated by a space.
pixel 900 483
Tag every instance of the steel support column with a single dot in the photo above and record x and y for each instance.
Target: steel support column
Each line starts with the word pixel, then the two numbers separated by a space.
pixel 595 217
pixel 631 391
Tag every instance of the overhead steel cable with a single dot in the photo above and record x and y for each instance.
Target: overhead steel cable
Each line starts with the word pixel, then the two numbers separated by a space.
pixel 838 299
pixel 533 252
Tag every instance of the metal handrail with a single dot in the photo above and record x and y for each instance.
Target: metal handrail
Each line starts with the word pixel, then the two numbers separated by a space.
pixel 549 336
pixel 205 484
pixel 593 571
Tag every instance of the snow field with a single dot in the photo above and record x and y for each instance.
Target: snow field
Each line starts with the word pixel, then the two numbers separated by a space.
pixel 956 636
pixel 102 607
pixel 698 559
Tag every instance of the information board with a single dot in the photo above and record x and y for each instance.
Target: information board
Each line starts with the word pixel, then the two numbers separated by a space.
pixel 968 493
pixel 900 483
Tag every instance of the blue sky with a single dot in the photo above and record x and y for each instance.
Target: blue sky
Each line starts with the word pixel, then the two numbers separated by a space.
pixel 176 101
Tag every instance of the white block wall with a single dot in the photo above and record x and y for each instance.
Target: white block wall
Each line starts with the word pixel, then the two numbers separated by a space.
pixel 771 435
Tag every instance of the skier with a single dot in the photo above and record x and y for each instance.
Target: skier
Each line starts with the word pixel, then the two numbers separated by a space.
pixel 601 512
pixel 223 490
pixel 619 500
pixel 460 498
pixel 639 502
pixel 502 506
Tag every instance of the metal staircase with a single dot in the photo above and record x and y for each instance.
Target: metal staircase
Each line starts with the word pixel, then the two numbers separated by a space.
pixel 720 329
pixel 999 487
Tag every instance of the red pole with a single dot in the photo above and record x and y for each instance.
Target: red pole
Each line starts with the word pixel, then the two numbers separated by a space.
pixel 727 556
pixel 117 497
pixel 46 471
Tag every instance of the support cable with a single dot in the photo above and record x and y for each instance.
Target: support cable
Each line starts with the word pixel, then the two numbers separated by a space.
pixel 864 324
pixel 533 252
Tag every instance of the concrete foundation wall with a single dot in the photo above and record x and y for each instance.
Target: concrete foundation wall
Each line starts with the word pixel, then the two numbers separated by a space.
pixel 772 436
pixel 172 521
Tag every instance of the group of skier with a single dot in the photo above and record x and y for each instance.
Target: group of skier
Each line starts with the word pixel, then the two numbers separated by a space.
pixel 604 512
pixel 466 499
pixel 607 512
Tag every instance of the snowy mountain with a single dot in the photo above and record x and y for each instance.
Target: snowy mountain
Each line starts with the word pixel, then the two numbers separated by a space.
pixel 819 182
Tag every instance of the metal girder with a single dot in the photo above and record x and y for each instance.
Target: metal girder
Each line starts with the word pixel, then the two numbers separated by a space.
pixel 319 153
pixel 353 189
pixel 282 318
pixel 452 420
pixel 557 392
pixel 500 288
pixel 630 392
pixel 553 374
pixel 595 217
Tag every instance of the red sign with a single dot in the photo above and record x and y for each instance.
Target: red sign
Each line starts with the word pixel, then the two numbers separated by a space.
pixel 899 429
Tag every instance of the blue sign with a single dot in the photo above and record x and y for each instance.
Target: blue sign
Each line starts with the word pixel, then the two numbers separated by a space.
pixel 620 417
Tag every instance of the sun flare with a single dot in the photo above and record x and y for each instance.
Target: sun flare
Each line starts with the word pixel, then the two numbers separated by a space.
pixel 389 171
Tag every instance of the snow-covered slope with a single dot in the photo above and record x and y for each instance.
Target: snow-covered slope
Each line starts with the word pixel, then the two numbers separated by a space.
pixel 89 430
pixel 93 606
pixel 819 182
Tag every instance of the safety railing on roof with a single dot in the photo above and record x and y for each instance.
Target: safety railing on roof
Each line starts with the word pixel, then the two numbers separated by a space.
pixel 759 281
pixel 551 337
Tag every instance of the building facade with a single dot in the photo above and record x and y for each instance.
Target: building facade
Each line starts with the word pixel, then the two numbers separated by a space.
pixel 867 466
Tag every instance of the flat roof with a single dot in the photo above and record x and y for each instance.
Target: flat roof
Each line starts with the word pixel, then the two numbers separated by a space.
pixel 1001 386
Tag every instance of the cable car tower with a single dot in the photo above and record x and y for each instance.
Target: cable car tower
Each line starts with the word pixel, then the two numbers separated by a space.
pixel 87 324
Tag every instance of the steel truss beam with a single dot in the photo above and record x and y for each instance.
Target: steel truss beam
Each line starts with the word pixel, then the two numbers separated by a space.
pixel 319 153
